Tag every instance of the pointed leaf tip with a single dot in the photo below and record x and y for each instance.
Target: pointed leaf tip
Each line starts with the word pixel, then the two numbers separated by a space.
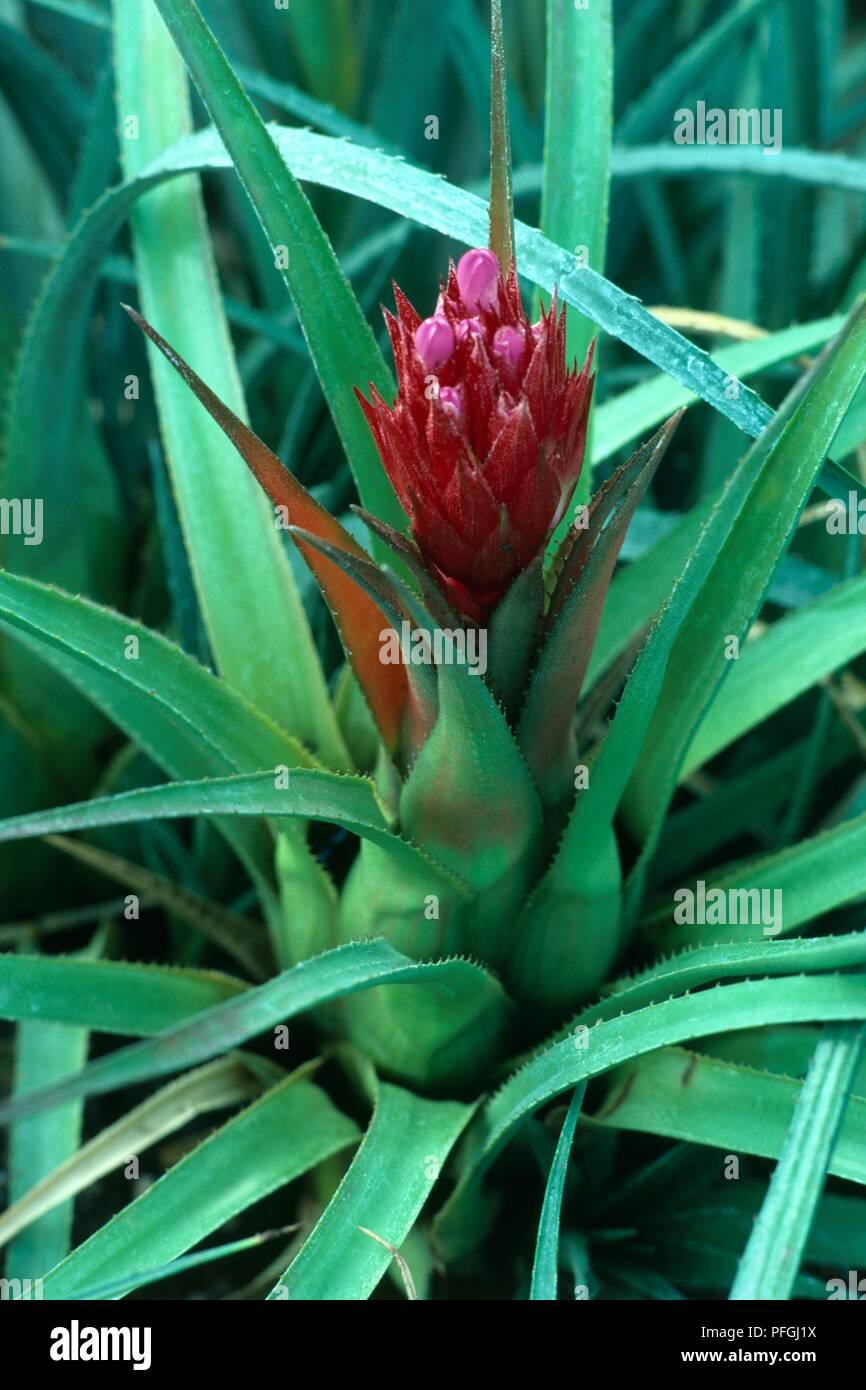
pixel 359 620
pixel 501 196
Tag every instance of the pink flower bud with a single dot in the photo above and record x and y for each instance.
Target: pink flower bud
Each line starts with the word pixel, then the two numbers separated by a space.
pixel 484 475
pixel 469 328
pixel 478 279
pixel 509 343
pixel 451 401
pixel 434 342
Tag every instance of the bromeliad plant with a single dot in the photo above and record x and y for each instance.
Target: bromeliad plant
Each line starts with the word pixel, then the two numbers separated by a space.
pixel 484 446
pixel 510 815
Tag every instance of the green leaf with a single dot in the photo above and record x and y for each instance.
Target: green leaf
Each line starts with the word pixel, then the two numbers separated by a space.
pixel 754 1003
pixel 358 621
pixel 818 168
pixel 237 936
pixel 706 965
pixel 140 1278
pixel 631 414
pixel 350 802
pixel 47 100
pixel 588 559
pixel 191 723
pixel 653 107
pixel 227 1081
pixel 577 139
pixel 232 732
pixel 386 1186
pixel 720 591
pixel 775 1248
pixel 545 1266
pixel 731 568
pixel 44 1053
pixel 412 193
pixel 108 996
pixel 357 966
pixel 325 41
pixel 682 1095
pixel 394 604
pixel 342 346
pixel 286 1133
pixel 511 637
pixel 641 589
pixel 243 578
pixel 812 877
pixel 774 669
pixel 470 801
pixel 431 1043
pixel 744 804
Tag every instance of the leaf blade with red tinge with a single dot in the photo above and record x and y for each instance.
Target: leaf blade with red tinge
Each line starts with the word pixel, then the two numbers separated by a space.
pixel 574 615
pixel 359 620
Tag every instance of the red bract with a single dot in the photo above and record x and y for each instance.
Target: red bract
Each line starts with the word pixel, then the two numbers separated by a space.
pixel 485 441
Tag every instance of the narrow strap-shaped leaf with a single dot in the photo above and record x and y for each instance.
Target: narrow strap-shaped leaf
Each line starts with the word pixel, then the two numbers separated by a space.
pixel 574 615
pixel 350 802
pixel 291 1129
pixel 394 604
pixel 693 967
pixel 224 1082
pixel 325 40
pixel 751 1004
pixel 356 966
pixel 387 1184
pixel 577 141
pixel 705 965
pixel 512 635
pixel 44 1053
pixel 191 723
pixel 653 107
pixel 341 343
pixel 754 517
pixel 243 577
pixel 630 414
pixel 545 1266
pixel 407 551
pixel 604 512
pixel 772 1256
pixel 359 620
pixel 412 193
pixel 154 1274
pixel 237 936
pixel 222 723
pixel 501 198
pixel 753 798
pixel 794 654
pixel 684 1095
pixel 741 563
pixel 796 885
pixel 108 996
